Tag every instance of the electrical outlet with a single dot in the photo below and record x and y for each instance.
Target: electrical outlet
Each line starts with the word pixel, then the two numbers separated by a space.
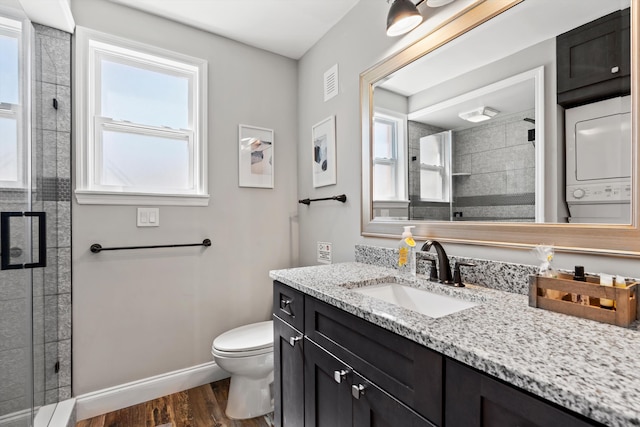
pixel 148 217
pixel 324 252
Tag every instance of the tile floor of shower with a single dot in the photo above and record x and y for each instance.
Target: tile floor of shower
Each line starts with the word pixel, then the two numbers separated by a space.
pixel 197 407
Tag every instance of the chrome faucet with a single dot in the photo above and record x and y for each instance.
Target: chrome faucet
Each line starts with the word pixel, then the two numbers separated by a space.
pixel 444 269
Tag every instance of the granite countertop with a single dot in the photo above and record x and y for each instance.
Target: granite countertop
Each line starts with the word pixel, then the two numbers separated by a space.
pixel 586 366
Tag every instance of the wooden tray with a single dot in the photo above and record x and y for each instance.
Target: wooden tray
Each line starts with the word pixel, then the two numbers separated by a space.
pixel 625 299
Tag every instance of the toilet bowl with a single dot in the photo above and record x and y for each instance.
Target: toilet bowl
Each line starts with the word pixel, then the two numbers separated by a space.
pixel 247 354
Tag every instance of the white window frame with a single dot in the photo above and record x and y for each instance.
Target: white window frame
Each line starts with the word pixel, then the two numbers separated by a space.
pixel 443 169
pixel 400 160
pixel 13 27
pixel 91 48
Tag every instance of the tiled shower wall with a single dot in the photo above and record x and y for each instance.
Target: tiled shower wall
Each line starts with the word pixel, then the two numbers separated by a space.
pixel 496 163
pixel 52 135
pixel 501 164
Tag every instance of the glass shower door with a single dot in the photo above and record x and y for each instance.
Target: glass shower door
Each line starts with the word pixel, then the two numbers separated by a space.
pixel 22 233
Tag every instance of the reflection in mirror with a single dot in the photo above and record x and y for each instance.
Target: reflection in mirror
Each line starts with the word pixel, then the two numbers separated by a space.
pixel 537 130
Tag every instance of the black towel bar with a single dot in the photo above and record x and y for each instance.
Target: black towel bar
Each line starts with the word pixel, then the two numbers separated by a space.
pixel 341 198
pixel 97 248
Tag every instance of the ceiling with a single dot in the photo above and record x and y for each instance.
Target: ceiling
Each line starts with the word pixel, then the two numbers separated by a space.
pixel 285 27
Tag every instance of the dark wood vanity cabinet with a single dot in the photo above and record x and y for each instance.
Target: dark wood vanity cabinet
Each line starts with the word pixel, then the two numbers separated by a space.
pixel 339 370
pixel 474 399
pixel 288 346
pixel 593 60
pixel 408 371
pixel 349 372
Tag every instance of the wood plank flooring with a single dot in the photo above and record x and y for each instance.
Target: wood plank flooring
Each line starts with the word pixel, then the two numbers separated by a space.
pixel 198 407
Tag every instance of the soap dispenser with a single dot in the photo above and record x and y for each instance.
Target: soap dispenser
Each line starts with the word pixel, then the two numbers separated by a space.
pixel 407 252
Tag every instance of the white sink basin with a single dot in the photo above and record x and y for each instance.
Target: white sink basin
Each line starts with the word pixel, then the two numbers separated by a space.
pixel 425 302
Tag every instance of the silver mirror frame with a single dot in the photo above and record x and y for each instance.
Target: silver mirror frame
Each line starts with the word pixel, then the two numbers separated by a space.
pixel 613 240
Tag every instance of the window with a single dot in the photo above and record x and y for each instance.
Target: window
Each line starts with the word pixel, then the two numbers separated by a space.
pixel 389 157
pixel 434 167
pixel 142 123
pixel 12 106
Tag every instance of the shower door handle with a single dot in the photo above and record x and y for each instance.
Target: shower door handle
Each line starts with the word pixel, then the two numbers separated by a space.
pixel 5 237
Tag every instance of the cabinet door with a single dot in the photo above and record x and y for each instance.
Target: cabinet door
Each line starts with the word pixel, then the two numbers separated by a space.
pixel 594 60
pixel 373 407
pixel 473 399
pixel 288 385
pixel 406 370
pixel 327 389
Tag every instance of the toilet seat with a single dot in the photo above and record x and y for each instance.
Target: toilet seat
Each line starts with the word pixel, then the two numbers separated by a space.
pixel 244 341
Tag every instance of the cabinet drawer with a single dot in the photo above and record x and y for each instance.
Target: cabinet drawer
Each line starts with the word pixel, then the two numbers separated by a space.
pixel 288 305
pixel 404 369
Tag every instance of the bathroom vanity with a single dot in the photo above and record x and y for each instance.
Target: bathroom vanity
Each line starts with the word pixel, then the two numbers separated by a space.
pixel 347 359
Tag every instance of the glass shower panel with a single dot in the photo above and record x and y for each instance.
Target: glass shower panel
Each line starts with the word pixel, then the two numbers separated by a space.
pixel 16 321
pixel 29 201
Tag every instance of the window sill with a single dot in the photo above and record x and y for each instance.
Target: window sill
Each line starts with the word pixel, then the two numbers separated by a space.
pixel 86 197
pixel 390 203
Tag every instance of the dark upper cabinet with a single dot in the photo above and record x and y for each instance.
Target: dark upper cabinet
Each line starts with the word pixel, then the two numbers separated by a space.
pixel 593 60
pixel 473 399
pixel 288 383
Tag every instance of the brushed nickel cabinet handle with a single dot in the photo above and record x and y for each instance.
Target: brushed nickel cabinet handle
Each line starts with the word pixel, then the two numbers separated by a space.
pixel 357 391
pixel 340 376
pixel 294 340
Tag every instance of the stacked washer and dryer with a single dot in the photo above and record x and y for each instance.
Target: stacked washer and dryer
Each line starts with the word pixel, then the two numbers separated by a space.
pixel 599 156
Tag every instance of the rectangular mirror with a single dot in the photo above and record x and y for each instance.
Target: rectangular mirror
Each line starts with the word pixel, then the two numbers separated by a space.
pixel 515 143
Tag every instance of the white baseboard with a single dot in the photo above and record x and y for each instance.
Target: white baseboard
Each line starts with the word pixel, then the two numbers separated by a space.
pixel 15 419
pixel 125 395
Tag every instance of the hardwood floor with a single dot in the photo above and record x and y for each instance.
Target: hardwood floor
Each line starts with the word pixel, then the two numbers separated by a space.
pixel 198 407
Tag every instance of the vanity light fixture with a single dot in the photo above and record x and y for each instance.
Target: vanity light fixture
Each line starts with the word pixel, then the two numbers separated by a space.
pixel 479 114
pixel 403 17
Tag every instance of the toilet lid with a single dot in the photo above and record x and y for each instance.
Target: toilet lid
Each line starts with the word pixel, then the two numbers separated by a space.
pixel 245 338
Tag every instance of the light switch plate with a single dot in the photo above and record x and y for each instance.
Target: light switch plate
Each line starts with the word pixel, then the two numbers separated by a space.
pixel 148 217
pixel 324 252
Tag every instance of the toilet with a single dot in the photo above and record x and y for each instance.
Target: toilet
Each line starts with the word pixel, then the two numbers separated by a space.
pixel 246 353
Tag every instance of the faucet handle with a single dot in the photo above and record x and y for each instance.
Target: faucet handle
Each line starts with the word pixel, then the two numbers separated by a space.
pixel 457 277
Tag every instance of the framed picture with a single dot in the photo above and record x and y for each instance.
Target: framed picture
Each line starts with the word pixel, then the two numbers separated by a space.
pixel 323 136
pixel 255 157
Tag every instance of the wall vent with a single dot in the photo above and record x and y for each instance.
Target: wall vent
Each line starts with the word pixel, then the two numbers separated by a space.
pixel 331 83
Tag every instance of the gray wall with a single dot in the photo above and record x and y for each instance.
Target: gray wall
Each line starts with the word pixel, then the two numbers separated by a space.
pixel 143 313
pixel 357 43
